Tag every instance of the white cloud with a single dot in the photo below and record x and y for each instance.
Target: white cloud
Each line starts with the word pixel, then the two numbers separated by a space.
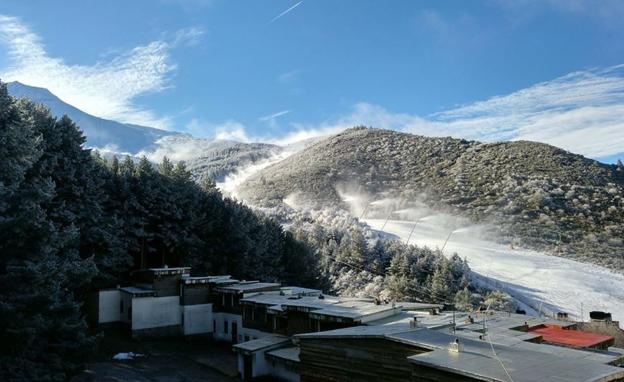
pixel 188 36
pixel 580 112
pixel 232 130
pixel 106 89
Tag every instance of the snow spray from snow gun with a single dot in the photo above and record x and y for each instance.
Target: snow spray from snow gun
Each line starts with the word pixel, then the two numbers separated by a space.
pixel 450 234
pixel 414 227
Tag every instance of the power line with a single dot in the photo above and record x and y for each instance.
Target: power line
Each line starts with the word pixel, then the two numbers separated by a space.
pixel 489 338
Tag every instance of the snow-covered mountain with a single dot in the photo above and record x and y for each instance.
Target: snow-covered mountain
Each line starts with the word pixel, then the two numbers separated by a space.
pixel 100 132
pixel 205 158
pixel 211 158
pixel 535 195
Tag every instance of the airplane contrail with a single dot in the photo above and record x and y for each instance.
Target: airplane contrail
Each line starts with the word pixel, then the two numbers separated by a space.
pixel 286 11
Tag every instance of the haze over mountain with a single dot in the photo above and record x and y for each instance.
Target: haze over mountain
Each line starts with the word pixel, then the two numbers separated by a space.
pixel 206 158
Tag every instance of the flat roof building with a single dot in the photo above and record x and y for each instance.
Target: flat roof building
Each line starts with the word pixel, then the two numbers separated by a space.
pixel 437 350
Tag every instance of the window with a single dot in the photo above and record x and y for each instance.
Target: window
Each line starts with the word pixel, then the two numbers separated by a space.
pixel 225 327
pixel 130 313
pixel 214 326
pixel 120 306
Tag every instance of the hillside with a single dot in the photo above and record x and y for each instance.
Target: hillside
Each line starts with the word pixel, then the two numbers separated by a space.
pixel 100 132
pixel 214 159
pixel 538 195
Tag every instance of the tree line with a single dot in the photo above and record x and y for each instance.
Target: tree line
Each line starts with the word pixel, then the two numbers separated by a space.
pixel 72 222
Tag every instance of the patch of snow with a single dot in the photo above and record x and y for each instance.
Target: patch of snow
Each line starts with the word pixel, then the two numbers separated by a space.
pixel 230 184
pixel 547 284
pixel 127 356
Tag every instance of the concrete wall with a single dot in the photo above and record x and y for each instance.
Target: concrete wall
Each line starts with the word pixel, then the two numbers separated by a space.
pixel 197 319
pixel 219 334
pixel 284 373
pixel 153 312
pixel 259 365
pixel 108 306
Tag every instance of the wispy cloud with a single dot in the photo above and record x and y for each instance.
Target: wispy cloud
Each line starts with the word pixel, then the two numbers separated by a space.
pixel 285 12
pixel 271 119
pixel 108 88
pixel 288 77
pixel 188 36
pixel 580 112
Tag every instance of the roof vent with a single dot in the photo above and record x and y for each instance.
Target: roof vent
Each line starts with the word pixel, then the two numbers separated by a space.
pixel 414 323
pixel 321 297
pixel 456 346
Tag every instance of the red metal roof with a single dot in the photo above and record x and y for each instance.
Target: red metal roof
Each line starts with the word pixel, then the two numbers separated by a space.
pixel 569 337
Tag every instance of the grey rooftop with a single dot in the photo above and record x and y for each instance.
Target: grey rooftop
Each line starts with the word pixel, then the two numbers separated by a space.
pixel 262 343
pixel 248 286
pixel 287 353
pixel 532 362
pixel 136 291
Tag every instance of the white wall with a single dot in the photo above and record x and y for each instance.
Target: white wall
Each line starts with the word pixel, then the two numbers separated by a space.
pixel 108 306
pixel 197 319
pixel 154 312
pixel 220 334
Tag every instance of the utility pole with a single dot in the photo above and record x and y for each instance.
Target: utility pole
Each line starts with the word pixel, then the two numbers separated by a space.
pixel 453 320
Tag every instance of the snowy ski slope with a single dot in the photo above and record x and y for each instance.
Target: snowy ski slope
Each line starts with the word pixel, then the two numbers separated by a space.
pixel 543 282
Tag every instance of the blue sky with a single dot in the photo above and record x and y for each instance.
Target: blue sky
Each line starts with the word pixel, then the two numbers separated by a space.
pixel 544 70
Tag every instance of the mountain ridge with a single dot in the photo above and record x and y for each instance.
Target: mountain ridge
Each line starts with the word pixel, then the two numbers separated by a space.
pixel 100 132
pixel 541 196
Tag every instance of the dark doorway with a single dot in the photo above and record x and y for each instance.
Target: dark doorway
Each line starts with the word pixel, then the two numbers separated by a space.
pixel 247 367
pixel 234 332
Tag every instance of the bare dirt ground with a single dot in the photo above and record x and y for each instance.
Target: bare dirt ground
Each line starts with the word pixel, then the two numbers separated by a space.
pixel 174 360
